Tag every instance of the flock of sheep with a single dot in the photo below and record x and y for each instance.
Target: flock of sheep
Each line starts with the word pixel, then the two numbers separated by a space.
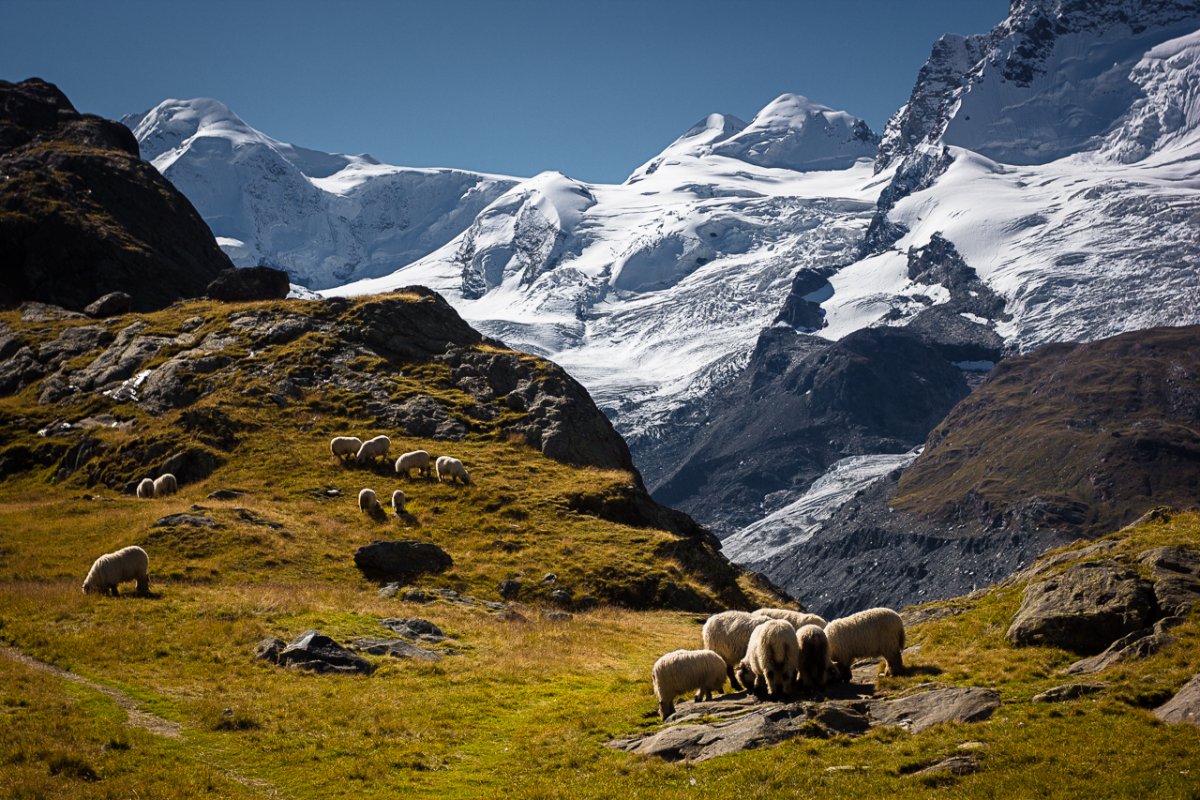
pixel 773 650
pixel 351 448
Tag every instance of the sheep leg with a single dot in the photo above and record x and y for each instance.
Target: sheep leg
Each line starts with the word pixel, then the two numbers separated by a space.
pixel 895 664
pixel 733 681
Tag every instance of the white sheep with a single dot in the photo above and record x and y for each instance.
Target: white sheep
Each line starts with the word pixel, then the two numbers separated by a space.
pixel 682 671
pixel 145 489
pixel 874 633
pixel 798 618
pixel 417 459
pixel 127 564
pixel 345 446
pixel 450 468
pixel 727 634
pixel 368 502
pixel 815 664
pixel 398 501
pixel 772 659
pixel 373 449
pixel 165 484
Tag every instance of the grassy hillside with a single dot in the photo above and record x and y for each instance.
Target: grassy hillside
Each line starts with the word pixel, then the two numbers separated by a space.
pixel 518 707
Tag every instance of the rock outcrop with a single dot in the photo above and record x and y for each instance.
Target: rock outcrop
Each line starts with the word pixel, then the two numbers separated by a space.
pixel 81 215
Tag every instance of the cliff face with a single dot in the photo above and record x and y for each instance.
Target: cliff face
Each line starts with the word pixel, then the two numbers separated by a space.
pixel 82 215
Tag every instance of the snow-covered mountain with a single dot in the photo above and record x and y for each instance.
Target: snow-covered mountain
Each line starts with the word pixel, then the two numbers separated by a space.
pixel 325 218
pixel 654 291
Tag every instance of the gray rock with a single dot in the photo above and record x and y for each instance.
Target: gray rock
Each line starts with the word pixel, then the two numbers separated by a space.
pixel 1070 691
pixel 19 369
pixel 414 628
pixel 269 649
pixel 396 648
pixel 191 520
pixel 954 765
pixel 128 352
pixel 919 712
pixel 1176 573
pixel 1184 706
pixel 400 561
pixel 318 653
pixel 33 311
pixel 109 305
pixel 555 615
pixel 190 465
pixel 509 587
pixel 226 494
pixel 1132 647
pixel 72 342
pixel 561 596
pixel 1084 609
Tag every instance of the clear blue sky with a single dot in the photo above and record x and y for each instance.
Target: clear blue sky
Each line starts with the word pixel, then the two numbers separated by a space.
pixel 591 89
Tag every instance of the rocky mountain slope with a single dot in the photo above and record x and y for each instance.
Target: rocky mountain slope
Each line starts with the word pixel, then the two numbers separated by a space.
pixel 325 218
pixel 1069 441
pixel 81 215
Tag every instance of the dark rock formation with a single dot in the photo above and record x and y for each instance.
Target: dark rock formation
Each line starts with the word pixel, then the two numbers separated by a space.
pixel 396 648
pixel 400 561
pixel 82 215
pixel 1070 691
pixel 801 404
pixel 249 283
pixel 414 628
pixel 1084 609
pixel 314 652
pixel 1176 572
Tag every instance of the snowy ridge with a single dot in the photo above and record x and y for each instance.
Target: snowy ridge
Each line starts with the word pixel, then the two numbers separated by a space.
pixel 325 218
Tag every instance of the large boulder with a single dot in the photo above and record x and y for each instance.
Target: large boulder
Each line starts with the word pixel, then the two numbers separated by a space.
pixel 1176 573
pixel 109 305
pixel 249 283
pixel 81 214
pixel 1184 706
pixel 1084 609
pixel 400 561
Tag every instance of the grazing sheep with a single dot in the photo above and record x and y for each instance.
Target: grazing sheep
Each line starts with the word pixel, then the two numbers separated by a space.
pixel 398 501
pixel 875 632
pixel 727 634
pixel 368 502
pixel 772 659
pixel 373 449
pixel 165 484
pixel 798 618
pixel 682 671
pixel 345 446
pixel 417 459
pixel 126 564
pixel 450 468
pixel 815 665
pixel 145 489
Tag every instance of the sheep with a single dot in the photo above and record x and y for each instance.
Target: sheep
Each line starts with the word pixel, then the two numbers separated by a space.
pixel 373 449
pixel 165 484
pixel 417 459
pixel 815 665
pixel 772 659
pixel 682 671
pixel 450 468
pixel 872 633
pixel 145 489
pixel 798 618
pixel 345 446
pixel 398 500
pixel 368 502
pixel 127 564
pixel 727 634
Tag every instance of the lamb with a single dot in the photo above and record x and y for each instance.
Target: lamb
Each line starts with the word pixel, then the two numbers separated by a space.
pixel 145 489
pixel 815 665
pixel 126 564
pixel 772 659
pixel 345 446
pixel 872 633
pixel 727 634
pixel 417 459
pixel 682 671
pixel 373 449
pixel 165 484
pixel 398 500
pixel 798 618
pixel 450 468
pixel 368 502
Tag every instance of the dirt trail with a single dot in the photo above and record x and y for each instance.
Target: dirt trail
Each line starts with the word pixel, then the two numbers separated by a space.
pixel 134 715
